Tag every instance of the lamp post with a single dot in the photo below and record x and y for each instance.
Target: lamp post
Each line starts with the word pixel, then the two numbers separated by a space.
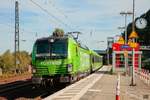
pixel 133 28
pixel 126 40
pixel 133 62
pixel 133 35
pixel 125 14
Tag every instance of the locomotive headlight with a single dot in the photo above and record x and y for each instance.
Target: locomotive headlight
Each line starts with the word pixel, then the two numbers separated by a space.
pixel 69 66
pixel 33 70
pixel 51 40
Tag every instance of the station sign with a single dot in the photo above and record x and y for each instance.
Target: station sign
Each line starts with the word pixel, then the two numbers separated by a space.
pixel 125 46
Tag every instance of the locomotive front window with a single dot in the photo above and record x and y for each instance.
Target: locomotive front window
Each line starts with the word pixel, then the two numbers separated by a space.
pixel 59 47
pixel 42 47
pixel 56 49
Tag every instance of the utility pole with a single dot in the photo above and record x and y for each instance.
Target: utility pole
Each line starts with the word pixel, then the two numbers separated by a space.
pixel 133 57
pixel 16 33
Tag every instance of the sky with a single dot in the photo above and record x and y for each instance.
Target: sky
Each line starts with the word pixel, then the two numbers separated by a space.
pixel 95 19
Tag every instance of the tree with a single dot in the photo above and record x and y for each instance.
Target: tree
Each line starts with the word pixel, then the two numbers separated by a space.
pixel 1 62
pixel 7 60
pixel 24 60
pixel 58 32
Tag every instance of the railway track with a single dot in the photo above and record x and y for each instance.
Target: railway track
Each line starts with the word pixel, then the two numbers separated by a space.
pixel 24 90
pixel 12 86
pixel 50 91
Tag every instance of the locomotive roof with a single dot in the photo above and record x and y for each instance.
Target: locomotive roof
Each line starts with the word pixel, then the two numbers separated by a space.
pixel 52 37
pixel 64 37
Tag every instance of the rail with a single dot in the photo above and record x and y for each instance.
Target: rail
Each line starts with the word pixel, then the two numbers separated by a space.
pixel 13 86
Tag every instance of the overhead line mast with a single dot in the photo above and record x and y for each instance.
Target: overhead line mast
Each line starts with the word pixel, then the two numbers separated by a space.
pixel 16 32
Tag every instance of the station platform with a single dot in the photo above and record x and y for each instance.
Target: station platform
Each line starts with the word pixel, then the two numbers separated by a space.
pixel 101 85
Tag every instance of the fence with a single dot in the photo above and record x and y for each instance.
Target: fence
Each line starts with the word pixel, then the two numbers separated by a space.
pixel 144 75
pixel 121 62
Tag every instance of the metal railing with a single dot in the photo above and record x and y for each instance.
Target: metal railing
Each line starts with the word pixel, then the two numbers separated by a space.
pixel 144 75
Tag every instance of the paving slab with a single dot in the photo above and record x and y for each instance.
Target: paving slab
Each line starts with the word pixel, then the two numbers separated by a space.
pixel 101 85
pixel 105 89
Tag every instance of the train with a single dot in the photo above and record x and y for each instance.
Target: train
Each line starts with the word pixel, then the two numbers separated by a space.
pixel 62 60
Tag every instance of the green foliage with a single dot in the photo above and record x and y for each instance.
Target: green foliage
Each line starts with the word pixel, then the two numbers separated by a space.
pixel 7 61
pixel 146 64
pixel 24 60
pixel 1 62
pixel 58 32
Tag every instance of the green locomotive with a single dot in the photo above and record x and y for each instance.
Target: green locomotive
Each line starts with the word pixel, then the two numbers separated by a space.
pixel 62 60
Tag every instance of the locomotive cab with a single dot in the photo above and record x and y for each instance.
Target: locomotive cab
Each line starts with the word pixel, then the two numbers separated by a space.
pixel 49 60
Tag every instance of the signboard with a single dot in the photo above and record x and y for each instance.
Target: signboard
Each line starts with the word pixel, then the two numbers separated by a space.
pixel 133 45
pixel 125 46
pixel 133 35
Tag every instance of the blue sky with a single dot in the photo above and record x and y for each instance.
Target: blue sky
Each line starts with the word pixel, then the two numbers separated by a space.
pixel 99 16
